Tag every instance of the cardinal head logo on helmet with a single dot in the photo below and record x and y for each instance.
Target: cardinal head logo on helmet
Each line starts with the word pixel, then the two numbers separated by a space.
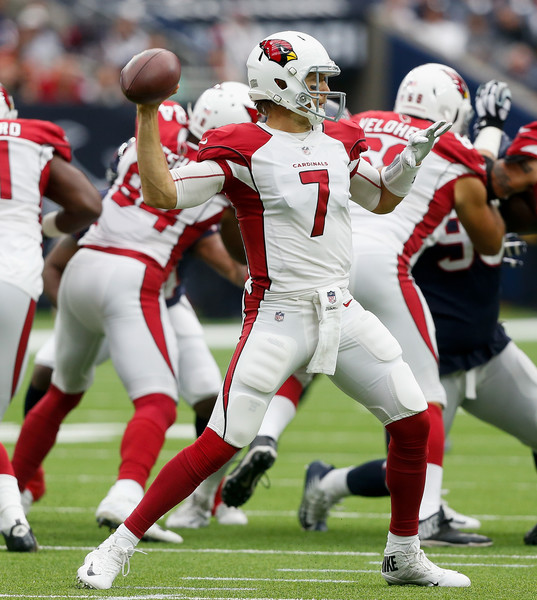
pixel 459 83
pixel 279 51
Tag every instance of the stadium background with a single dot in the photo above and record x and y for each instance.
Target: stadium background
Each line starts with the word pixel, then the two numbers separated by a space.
pixel 61 60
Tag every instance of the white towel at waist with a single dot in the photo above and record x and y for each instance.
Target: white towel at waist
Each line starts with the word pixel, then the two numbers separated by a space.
pixel 328 304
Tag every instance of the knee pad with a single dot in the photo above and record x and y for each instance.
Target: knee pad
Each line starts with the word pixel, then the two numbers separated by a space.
pixel 244 417
pixel 405 388
pixel 266 361
pixel 376 338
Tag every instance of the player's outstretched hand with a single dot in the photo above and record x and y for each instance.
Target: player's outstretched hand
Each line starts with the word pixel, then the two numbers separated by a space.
pixel 492 104
pixel 421 142
pixel 514 249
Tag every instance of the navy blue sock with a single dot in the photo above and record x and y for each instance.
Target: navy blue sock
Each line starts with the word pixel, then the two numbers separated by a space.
pixel 33 395
pixel 201 423
pixel 368 479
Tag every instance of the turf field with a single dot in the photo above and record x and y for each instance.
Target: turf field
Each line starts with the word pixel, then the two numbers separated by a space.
pixel 488 475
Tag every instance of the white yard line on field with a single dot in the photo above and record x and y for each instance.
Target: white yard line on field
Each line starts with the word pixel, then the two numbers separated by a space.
pixel 76 433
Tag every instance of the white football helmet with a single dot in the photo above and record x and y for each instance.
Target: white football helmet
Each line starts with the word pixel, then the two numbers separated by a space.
pixel 434 92
pixel 278 67
pixel 7 106
pixel 223 104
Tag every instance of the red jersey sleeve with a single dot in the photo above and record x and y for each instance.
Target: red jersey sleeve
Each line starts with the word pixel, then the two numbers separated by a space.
pixel 525 142
pixel 457 150
pixel 235 143
pixel 350 134
pixel 45 132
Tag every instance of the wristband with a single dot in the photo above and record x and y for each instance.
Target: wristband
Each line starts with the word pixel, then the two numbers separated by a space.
pixel 398 177
pixel 48 225
pixel 489 139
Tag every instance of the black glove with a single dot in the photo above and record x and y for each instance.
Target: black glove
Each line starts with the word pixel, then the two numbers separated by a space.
pixel 513 249
pixel 492 104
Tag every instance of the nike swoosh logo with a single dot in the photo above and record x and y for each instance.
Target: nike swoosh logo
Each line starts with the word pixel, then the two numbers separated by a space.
pixel 347 303
pixel 90 570
pixel 435 584
pixel 204 141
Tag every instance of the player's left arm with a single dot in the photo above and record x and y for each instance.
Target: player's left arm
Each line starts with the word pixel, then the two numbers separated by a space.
pixel 481 219
pixel 211 250
pixel 55 262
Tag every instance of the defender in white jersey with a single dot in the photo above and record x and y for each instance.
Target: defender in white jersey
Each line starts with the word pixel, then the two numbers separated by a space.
pixel 34 161
pixel 290 181
pixel 452 177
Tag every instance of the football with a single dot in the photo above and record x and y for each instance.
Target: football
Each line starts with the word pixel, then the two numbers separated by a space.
pixel 150 76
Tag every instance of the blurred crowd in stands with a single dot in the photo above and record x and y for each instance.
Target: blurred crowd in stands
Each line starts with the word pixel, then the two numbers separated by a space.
pixel 499 33
pixel 55 52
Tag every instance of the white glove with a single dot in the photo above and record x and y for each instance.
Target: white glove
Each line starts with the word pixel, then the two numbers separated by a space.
pixel 514 249
pixel 492 104
pixel 399 175
pixel 421 142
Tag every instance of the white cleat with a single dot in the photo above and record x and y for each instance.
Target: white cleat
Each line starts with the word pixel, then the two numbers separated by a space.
pixel 459 521
pixel 27 500
pixel 102 565
pixel 414 568
pixel 193 513
pixel 114 509
pixel 230 515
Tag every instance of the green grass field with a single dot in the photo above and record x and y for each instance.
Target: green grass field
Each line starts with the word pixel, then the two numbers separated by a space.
pixel 487 473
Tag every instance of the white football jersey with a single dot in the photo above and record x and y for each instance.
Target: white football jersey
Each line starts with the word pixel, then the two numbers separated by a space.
pixel 414 224
pixel 128 225
pixel 26 149
pixel 291 196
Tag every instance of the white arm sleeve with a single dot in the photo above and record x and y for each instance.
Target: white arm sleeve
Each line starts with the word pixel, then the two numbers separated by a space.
pixel 366 186
pixel 196 182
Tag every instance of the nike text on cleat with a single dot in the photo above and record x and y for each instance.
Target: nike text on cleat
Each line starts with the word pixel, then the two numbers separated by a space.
pixel 240 484
pixel 436 530
pixel 316 502
pixel 102 565
pixel 412 567
pixel 20 538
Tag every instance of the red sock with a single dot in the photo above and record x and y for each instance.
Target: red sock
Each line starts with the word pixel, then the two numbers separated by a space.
pixel 39 431
pixel 5 464
pixel 405 471
pixel 436 441
pixel 179 478
pixel 36 485
pixel 291 389
pixel 217 497
pixel 144 436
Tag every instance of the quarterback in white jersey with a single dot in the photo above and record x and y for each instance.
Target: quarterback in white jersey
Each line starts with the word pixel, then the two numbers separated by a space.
pixel 34 161
pixel 453 176
pixel 290 181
